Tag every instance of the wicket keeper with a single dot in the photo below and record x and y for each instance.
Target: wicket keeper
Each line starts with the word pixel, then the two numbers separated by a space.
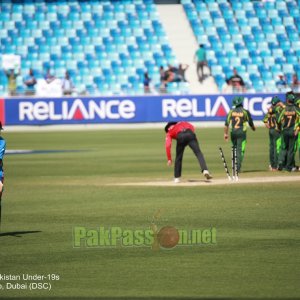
pixel 184 134
pixel 238 117
pixel 270 121
pixel 2 152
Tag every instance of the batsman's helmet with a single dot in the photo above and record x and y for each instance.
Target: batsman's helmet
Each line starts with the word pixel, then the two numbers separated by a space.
pixel 290 97
pixel 238 101
pixel 275 100
pixel 169 125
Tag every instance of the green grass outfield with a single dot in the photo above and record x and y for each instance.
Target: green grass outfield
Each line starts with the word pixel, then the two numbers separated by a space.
pixel 46 195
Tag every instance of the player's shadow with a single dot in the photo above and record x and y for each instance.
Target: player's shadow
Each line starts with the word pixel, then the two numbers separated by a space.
pixel 18 233
pixel 253 171
pixel 199 180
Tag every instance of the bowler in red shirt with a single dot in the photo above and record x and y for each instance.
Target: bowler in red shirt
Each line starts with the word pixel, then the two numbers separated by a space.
pixel 184 134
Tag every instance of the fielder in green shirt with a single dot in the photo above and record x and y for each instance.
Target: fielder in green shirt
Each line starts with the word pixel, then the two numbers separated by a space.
pixel 289 121
pixel 297 103
pixel 238 117
pixel 270 121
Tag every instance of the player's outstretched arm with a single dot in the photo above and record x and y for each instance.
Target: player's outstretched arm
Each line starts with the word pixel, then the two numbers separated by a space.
pixel 226 133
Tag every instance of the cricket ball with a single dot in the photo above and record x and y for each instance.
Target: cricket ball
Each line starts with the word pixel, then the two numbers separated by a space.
pixel 168 237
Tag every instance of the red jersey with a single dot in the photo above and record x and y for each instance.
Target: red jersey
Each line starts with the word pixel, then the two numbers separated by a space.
pixel 172 134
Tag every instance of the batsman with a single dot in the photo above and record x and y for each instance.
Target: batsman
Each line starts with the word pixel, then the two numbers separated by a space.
pixel 2 152
pixel 237 119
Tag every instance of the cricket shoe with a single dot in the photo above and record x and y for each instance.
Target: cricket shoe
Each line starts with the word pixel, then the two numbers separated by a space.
pixel 176 180
pixel 207 175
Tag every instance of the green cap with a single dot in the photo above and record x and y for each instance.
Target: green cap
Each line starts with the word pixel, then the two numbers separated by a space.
pixel 290 98
pixel 237 101
pixel 275 100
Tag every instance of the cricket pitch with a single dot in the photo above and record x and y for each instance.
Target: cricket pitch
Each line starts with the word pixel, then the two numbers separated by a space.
pixel 199 182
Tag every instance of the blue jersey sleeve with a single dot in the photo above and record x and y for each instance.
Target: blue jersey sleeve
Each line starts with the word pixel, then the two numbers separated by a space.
pixel 2 147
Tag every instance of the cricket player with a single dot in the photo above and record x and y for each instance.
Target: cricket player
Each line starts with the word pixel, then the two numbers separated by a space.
pixel 184 134
pixel 2 152
pixel 270 121
pixel 297 103
pixel 238 117
pixel 289 121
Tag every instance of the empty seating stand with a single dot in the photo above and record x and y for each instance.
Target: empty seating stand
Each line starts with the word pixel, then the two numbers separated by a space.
pixel 259 38
pixel 105 45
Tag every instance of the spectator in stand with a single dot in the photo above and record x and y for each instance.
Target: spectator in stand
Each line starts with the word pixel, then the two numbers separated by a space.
pixel 146 82
pixel 30 83
pixel 200 59
pixel 281 84
pixel 237 82
pixel 295 85
pixel 162 79
pixel 67 85
pixel 12 81
pixel 166 76
pixel 181 71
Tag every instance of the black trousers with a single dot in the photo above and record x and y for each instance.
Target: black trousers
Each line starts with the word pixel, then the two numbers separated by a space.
pixel 187 138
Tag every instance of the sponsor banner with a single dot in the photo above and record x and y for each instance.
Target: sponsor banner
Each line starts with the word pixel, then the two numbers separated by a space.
pixel 11 61
pixel 51 89
pixel 127 109
pixel 2 112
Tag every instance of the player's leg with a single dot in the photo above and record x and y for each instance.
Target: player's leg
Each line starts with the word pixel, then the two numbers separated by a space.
pixel 274 144
pixel 271 148
pixel 241 142
pixel 283 151
pixel 194 145
pixel 290 163
pixel 278 147
pixel 299 146
pixel 179 156
pixel 1 191
pixel 198 69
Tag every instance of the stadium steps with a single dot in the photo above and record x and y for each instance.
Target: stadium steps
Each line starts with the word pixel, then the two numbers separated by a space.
pixel 184 44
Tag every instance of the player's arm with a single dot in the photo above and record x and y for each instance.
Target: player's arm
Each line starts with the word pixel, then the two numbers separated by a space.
pixel 227 123
pixel 168 146
pixel 266 120
pixel 250 120
pixel 2 151
pixel 226 132
pixel 280 116
pixel 297 123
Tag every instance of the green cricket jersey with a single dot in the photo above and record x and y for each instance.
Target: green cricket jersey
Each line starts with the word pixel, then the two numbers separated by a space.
pixel 271 116
pixel 238 118
pixel 289 118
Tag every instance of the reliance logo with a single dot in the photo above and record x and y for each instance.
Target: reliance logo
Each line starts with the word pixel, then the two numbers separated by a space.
pixel 216 107
pixel 185 108
pixel 76 110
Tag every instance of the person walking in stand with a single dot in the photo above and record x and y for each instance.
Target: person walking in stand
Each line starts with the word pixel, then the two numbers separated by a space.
pixel 237 118
pixel 200 58
pixel 2 152
pixel 289 122
pixel 274 132
pixel 184 134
